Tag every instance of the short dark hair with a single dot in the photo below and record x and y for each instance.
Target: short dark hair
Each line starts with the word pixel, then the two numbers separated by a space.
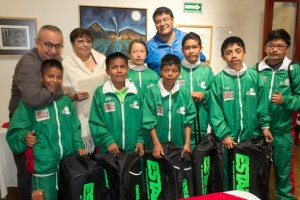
pixel 51 63
pixel 279 34
pixel 139 41
pixel 170 59
pixel 230 41
pixel 191 36
pixel 162 10
pixel 80 32
pixel 113 56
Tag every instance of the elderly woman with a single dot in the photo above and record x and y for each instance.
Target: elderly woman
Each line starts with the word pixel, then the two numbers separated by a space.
pixel 83 63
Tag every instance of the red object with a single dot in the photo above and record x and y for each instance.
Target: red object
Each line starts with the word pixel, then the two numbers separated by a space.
pixel 216 196
pixel 5 125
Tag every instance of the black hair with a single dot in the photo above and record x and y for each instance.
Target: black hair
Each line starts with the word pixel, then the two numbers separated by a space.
pixel 191 36
pixel 162 10
pixel 170 59
pixel 51 63
pixel 80 32
pixel 139 41
pixel 113 56
pixel 230 41
pixel 279 34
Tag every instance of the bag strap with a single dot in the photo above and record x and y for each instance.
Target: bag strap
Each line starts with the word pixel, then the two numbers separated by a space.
pixel 197 129
pixel 290 76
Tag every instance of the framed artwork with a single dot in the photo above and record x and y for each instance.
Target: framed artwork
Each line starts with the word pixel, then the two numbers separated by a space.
pixel 114 28
pixel 16 35
pixel 205 33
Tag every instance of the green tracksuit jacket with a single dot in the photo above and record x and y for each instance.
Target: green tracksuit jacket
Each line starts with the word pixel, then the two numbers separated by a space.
pixel 114 121
pixel 169 112
pixel 237 106
pixel 197 78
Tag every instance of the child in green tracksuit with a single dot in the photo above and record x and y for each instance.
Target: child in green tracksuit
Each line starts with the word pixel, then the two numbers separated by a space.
pixel 196 78
pixel 116 111
pixel 46 134
pixel 284 98
pixel 169 109
pixel 237 107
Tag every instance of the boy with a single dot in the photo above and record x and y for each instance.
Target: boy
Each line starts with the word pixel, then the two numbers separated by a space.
pixel 46 134
pixel 284 99
pixel 116 112
pixel 169 109
pixel 237 107
pixel 196 78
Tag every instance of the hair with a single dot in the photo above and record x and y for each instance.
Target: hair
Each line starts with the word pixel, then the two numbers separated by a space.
pixel 113 56
pixel 80 32
pixel 51 63
pixel 230 41
pixel 191 36
pixel 170 59
pixel 139 41
pixel 162 10
pixel 49 28
pixel 279 34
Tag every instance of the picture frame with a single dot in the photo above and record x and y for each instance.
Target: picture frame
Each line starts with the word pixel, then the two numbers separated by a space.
pixel 112 28
pixel 17 35
pixel 205 33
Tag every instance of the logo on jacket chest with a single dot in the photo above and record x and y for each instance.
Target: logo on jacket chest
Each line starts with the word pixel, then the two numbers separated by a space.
pixel 228 95
pixel 41 115
pixel 110 107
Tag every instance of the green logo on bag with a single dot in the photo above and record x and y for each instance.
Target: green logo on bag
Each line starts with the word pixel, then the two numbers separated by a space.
pixel 106 179
pixel 137 192
pixel 88 191
pixel 205 168
pixel 185 189
pixel 241 181
pixel 154 179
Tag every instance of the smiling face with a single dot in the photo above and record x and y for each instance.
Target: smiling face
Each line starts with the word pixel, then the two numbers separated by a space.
pixel 117 69
pixel 276 51
pixel 82 46
pixel 52 79
pixel 164 24
pixel 234 56
pixel 191 50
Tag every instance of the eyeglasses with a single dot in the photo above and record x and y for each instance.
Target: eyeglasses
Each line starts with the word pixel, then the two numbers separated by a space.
pixel 279 47
pixel 82 41
pixel 49 45
pixel 157 22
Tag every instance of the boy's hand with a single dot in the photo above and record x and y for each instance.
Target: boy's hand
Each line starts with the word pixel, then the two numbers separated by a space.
pixel 140 147
pixel 30 138
pixel 158 150
pixel 113 149
pixel 186 147
pixel 268 135
pixel 197 96
pixel 81 152
pixel 277 98
pixel 228 143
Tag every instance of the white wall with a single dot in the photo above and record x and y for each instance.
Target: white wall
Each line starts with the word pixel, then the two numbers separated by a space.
pixel 244 16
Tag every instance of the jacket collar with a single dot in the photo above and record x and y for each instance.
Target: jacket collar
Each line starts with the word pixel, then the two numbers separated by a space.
pixel 160 42
pixel 138 68
pixel 164 92
pixel 109 87
pixel 263 65
pixel 235 73
pixel 186 63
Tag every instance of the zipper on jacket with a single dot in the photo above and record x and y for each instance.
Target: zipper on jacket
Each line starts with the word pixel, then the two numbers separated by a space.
pixel 271 86
pixel 191 79
pixel 58 130
pixel 241 108
pixel 140 79
pixel 123 125
pixel 170 117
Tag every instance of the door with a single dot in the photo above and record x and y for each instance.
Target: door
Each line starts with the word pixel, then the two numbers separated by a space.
pixel 283 14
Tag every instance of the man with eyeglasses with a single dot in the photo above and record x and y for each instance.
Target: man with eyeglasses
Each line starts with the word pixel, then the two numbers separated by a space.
pixel 167 39
pixel 284 97
pixel 27 85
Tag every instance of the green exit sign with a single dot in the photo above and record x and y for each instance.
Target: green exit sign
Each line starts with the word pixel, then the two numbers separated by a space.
pixel 192 7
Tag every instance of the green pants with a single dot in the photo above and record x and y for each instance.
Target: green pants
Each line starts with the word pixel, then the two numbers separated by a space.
pixel 282 158
pixel 46 183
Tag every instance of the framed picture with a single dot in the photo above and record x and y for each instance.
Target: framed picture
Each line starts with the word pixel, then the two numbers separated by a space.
pixel 114 28
pixel 16 35
pixel 205 33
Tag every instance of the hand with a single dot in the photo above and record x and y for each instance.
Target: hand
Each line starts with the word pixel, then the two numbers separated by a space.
pixel 113 149
pixel 140 147
pixel 80 96
pixel 81 152
pixel 186 148
pixel 228 143
pixel 197 96
pixel 30 138
pixel 205 63
pixel 268 135
pixel 158 150
pixel 277 98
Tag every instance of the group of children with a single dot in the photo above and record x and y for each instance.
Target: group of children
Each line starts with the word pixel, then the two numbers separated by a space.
pixel 136 109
